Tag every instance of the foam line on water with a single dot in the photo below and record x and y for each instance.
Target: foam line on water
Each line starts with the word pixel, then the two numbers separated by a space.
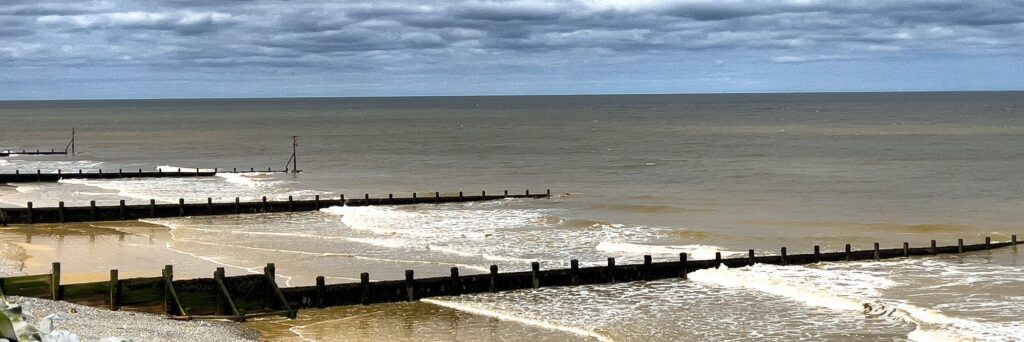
pixel 297 329
pixel 521 320
pixel 930 325
pixel 695 252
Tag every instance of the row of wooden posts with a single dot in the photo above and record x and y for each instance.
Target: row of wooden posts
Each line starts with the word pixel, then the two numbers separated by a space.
pixel 50 176
pixel 244 297
pixel 123 212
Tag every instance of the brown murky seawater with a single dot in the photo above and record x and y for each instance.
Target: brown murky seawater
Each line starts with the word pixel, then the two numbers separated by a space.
pixel 632 175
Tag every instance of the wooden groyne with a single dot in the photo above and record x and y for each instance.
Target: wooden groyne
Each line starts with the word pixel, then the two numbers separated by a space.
pixel 243 297
pixel 55 176
pixel 123 212
pixel 35 153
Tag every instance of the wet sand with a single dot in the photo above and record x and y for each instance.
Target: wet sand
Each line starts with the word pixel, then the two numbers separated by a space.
pixel 88 251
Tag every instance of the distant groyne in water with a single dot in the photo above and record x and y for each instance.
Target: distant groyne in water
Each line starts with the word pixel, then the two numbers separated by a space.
pixel 244 297
pixel 39 176
pixel 124 212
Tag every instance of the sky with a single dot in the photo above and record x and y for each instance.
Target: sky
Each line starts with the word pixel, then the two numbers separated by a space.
pixel 110 49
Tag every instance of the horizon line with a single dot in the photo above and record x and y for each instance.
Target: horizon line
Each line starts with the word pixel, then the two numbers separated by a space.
pixel 516 95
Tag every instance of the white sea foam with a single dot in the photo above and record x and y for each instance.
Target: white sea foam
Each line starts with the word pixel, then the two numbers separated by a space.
pixel 931 325
pixel 695 252
pixel 522 320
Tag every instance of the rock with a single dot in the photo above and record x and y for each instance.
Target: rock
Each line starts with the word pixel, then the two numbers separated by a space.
pixel 115 339
pixel 49 323
pixel 61 336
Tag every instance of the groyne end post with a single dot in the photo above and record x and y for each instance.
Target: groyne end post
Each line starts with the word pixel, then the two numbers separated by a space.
pixel 364 279
pixel 683 265
pixel 456 282
pixel 410 285
pixel 574 272
pixel 494 278
pixel 535 274
pixel 55 281
pixel 611 270
pixel 750 257
pixel 647 267
pixel 112 288
pixel 321 291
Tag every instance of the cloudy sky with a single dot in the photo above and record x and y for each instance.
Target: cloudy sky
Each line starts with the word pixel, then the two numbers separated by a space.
pixel 266 48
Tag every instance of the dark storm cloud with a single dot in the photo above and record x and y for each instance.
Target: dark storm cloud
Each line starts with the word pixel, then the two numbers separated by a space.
pixel 438 34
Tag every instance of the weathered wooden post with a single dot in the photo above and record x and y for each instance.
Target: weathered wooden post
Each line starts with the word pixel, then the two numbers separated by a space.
pixel 456 282
pixel 181 207
pixel 366 197
pixel 535 274
pixel 92 211
pixel 718 259
pixel 934 250
pixel 817 254
pixel 30 213
pixel 877 256
pixel 263 209
pixel 988 242
pixel 483 194
pixel 506 193
pixel 291 203
pixel 218 276
pixel 782 257
pixel 410 285
pixel 179 171
pixel 1013 239
pixel 152 207
pixel 55 281
pixel 112 287
pixel 647 267
pixel 527 192
pixel 574 272
pixel 170 297
pixel 209 205
pixel 548 193
pixel 123 213
pixel 848 252
pixel 461 199
pixel 39 175
pixel 364 279
pixel 391 198
pixel 611 270
pixel 494 278
pixel 437 196
pixel 683 266
pixel 321 291
pixel 61 211
pixel 238 206
pixel 414 200
pixel 316 200
pixel 120 173
pixel 959 245
pixel 750 257
pixel 341 200
pixel 906 249
pixel 140 173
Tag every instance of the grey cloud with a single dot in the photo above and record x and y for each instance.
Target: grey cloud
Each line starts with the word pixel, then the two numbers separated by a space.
pixel 342 34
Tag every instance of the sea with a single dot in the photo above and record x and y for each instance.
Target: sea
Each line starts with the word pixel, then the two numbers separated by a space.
pixel 630 175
